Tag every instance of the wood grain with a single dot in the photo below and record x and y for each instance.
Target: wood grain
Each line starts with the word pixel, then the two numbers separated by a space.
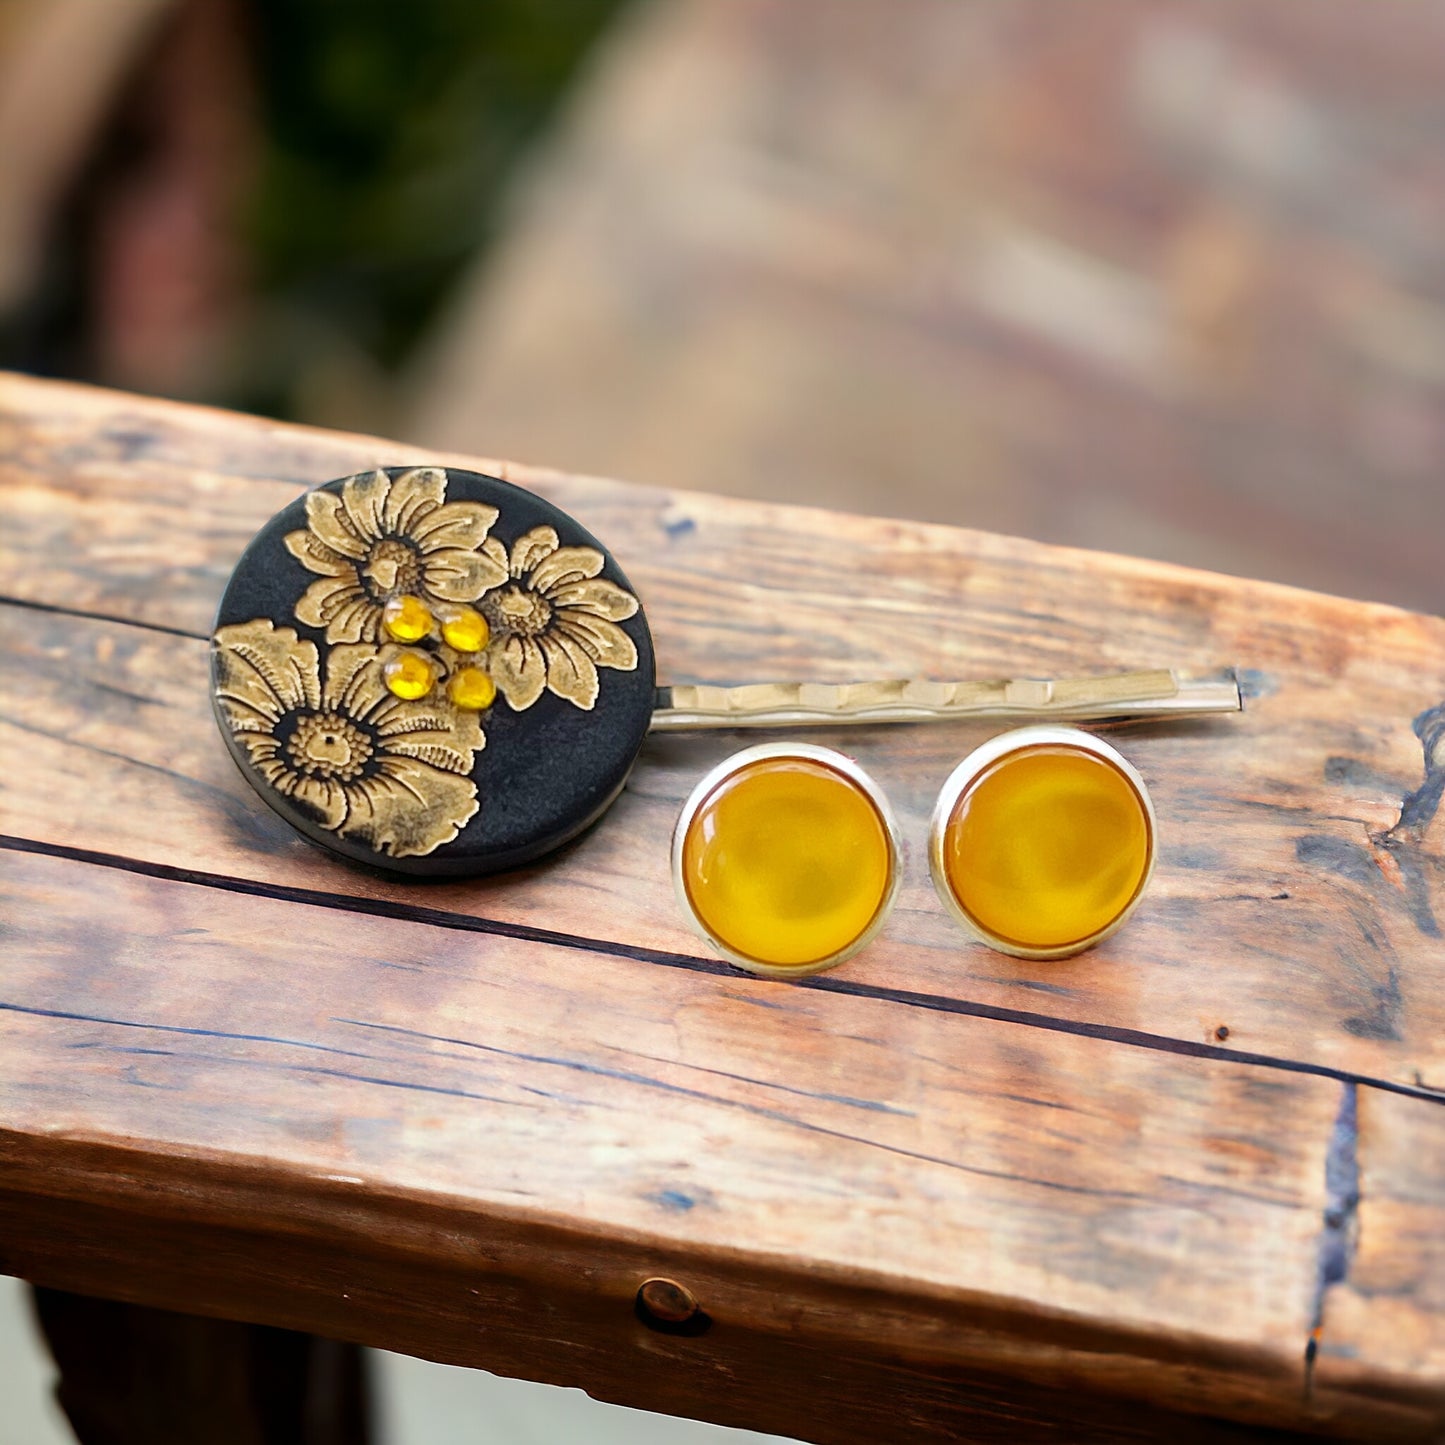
pixel 990 1198
pixel 1383 1316
pixel 985 1197
pixel 1322 927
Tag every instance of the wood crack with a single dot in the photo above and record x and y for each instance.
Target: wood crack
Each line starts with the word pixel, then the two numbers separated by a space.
pixel 850 1101
pixel 1340 1229
pixel 52 1013
pixel 629 1076
pixel 86 616
pixel 822 983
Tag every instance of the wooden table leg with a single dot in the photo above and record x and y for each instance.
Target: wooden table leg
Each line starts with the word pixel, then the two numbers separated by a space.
pixel 136 1376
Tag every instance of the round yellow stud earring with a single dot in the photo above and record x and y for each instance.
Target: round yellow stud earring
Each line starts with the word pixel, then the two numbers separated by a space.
pixel 1042 841
pixel 785 857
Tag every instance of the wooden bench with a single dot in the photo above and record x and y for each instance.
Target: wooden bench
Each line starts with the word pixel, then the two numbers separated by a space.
pixel 1194 1177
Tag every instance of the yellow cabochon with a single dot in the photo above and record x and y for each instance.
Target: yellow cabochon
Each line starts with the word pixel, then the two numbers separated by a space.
pixel 1045 848
pixel 786 862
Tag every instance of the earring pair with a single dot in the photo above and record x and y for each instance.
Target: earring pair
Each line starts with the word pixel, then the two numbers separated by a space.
pixel 786 856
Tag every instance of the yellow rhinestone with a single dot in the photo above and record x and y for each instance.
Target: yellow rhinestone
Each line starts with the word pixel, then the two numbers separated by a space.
pixel 472 689
pixel 409 676
pixel 466 630
pixel 407 619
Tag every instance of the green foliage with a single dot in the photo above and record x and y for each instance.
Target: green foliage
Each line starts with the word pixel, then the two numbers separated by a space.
pixel 390 129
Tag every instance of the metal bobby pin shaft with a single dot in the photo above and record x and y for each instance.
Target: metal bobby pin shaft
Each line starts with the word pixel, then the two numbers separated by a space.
pixel 1126 695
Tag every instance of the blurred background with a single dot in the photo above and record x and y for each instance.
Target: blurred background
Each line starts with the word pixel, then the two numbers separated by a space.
pixel 1166 279
pixel 1159 278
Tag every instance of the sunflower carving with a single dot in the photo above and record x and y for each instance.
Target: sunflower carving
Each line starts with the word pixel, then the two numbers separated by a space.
pixel 361 762
pixel 553 620
pixel 420 623
pixel 380 538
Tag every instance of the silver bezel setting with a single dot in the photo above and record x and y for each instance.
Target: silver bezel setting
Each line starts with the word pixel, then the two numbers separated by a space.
pixel 968 770
pixel 835 761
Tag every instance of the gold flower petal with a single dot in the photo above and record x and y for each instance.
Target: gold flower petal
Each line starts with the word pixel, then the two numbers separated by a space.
pixel 432 730
pixel 413 495
pixel 263 750
pixel 498 553
pixel 458 524
pixel 399 720
pixel 606 643
pixel 263 671
pixel 409 808
pixel 315 556
pixel 571 673
pixel 360 617
pixel 436 749
pixel 247 713
pixel 324 799
pixel 364 500
pixel 564 566
pixel 341 606
pixel 355 681
pixel 319 603
pixel 457 576
pixel 519 670
pixel 326 516
pixel 531 548
pixel 598 596
pixel 267 763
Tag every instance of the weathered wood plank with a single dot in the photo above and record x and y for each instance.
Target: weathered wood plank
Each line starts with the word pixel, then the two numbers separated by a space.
pixel 407 1134
pixel 1302 923
pixel 948 1187
pixel 330 1282
pixel 1383 1317
pixel 1319 918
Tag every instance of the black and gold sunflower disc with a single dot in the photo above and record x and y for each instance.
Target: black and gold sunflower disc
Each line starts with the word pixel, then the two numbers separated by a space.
pixel 432 671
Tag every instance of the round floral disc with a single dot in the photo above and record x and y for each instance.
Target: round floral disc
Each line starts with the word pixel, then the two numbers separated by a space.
pixel 432 671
